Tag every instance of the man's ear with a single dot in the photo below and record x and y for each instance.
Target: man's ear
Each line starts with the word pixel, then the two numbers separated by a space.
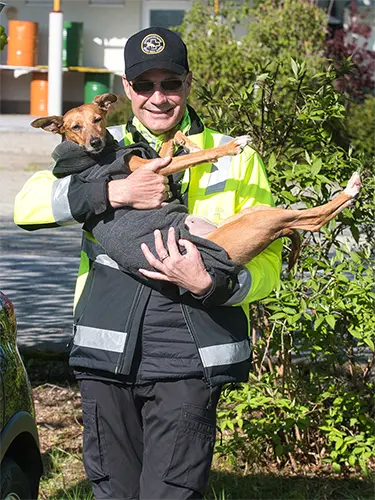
pixel 127 87
pixel 189 81
pixel 105 100
pixel 54 124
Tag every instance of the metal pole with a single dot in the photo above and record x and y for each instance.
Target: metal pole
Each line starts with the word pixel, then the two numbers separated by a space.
pixel 55 75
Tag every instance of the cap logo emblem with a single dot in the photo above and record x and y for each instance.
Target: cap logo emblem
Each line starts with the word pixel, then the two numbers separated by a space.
pixel 152 44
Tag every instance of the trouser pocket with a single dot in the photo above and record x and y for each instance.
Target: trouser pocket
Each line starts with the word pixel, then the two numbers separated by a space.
pixel 94 446
pixel 193 448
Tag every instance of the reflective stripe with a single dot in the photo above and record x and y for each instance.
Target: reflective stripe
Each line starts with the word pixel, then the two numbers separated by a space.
pixel 219 171
pixel 244 281
pixel 106 261
pixel 60 203
pixel 95 253
pixel 225 354
pixel 96 338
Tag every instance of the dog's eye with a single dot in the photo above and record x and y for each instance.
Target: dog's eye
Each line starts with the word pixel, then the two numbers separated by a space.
pixel 97 120
pixel 76 128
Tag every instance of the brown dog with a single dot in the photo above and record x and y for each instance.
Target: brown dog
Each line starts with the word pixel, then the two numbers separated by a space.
pixel 243 235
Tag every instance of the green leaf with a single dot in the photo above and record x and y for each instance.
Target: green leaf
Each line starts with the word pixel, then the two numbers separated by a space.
pixel 331 320
pixel 316 166
pixel 319 320
pixel 279 450
pixel 338 443
pixel 289 310
pixel 288 195
pixel 336 467
pixel 272 161
pixel 370 343
pixel 278 315
pixel 294 67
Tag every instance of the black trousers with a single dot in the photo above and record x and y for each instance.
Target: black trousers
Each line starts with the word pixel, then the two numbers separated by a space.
pixel 148 442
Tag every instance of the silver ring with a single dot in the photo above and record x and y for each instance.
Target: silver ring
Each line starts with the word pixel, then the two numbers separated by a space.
pixel 165 256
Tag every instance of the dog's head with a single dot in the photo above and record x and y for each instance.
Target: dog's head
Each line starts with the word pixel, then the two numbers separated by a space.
pixel 85 125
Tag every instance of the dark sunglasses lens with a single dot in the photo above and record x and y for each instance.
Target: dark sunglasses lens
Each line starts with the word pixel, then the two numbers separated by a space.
pixel 143 87
pixel 140 87
pixel 171 85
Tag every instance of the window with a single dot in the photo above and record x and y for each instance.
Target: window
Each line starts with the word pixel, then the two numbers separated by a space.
pixel 165 14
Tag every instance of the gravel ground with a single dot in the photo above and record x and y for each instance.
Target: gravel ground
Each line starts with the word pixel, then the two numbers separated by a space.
pixel 14 172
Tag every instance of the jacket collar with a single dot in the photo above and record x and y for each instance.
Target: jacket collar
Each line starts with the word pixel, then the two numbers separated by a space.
pixel 190 124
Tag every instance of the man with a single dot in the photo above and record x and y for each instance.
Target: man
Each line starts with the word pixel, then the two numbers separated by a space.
pixel 151 365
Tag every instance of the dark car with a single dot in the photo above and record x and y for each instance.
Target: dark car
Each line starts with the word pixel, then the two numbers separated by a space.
pixel 21 464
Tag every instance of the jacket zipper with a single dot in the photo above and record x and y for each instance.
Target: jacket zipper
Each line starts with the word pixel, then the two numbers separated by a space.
pixel 190 327
pixel 128 325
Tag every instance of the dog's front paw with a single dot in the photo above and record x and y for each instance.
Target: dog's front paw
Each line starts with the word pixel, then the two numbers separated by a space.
pixel 354 185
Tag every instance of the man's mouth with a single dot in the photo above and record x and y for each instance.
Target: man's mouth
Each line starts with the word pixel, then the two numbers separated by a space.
pixel 160 112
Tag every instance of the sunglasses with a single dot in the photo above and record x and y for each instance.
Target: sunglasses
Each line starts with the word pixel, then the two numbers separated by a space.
pixel 148 86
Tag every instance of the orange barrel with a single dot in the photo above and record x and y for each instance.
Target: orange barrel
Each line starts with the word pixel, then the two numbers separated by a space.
pixel 22 43
pixel 39 94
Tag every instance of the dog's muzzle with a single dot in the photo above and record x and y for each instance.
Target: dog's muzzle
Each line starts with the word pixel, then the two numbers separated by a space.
pixel 96 145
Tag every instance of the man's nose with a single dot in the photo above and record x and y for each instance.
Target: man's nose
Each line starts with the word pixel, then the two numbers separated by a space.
pixel 158 97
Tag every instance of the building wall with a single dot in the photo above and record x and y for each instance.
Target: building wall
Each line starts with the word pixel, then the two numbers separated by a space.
pixel 106 30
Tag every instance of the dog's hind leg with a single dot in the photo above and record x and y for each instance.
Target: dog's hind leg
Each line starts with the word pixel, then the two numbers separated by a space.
pixel 315 218
pixel 250 233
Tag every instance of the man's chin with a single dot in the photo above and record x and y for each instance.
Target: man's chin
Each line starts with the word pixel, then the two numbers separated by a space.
pixel 161 126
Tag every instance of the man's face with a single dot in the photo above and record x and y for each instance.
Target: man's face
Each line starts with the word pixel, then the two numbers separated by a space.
pixel 159 110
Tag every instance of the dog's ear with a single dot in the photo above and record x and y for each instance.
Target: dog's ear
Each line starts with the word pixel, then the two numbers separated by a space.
pixel 105 100
pixel 54 124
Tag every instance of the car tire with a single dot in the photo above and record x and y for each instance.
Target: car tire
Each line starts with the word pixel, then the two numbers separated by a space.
pixel 14 483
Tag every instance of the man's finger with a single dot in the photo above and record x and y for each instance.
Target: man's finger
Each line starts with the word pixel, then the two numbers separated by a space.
pixel 158 163
pixel 150 257
pixel 172 244
pixel 159 244
pixel 153 275
pixel 189 246
pixel 191 249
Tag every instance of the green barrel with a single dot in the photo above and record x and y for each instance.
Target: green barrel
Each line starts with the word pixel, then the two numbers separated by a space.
pixel 96 84
pixel 72 54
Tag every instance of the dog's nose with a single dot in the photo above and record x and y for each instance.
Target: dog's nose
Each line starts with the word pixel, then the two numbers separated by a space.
pixel 96 142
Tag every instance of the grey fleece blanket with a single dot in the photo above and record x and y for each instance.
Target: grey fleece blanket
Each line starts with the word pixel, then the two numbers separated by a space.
pixel 121 232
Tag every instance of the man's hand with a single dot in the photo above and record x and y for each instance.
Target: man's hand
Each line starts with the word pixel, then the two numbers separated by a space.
pixel 144 189
pixel 186 271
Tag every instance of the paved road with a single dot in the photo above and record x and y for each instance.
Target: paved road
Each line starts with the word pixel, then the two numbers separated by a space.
pixel 37 272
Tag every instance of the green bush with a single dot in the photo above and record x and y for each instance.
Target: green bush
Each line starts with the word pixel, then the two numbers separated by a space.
pixel 120 111
pixel 360 122
pixel 310 395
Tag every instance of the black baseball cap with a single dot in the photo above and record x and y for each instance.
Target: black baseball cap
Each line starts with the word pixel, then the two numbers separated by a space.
pixel 155 48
